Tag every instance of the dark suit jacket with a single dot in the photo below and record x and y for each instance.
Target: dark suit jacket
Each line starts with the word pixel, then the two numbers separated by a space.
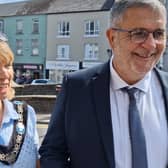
pixel 81 123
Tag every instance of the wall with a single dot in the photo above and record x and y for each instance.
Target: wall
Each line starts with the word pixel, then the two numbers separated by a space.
pixel 49 89
pixel 41 97
pixel 41 103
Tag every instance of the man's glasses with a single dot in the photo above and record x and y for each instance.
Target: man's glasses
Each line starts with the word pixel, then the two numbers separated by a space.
pixel 140 35
pixel 3 37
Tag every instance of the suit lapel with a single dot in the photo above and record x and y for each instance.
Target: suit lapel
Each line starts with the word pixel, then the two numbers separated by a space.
pixel 101 100
pixel 163 78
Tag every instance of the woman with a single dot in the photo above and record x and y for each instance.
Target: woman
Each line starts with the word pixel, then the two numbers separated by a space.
pixel 18 134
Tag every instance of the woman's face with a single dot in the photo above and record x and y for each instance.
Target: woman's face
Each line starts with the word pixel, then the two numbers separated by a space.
pixel 6 76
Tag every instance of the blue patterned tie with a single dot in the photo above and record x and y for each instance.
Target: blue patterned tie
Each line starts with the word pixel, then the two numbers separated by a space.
pixel 137 137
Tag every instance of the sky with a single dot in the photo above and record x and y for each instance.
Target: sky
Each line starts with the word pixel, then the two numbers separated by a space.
pixel 9 1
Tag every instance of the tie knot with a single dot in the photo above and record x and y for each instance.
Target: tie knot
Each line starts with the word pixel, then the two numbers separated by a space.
pixel 130 91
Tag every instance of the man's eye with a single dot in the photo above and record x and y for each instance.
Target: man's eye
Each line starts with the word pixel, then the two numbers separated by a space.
pixel 139 33
pixel 158 34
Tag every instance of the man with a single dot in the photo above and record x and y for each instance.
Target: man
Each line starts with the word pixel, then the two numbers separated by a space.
pixel 90 125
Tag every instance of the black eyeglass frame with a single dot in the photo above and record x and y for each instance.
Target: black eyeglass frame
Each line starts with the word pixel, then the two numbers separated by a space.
pixel 158 40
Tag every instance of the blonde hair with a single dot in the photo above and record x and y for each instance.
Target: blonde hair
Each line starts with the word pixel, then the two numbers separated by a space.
pixel 7 57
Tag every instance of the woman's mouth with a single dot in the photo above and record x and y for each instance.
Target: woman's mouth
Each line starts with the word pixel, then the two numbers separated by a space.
pixel 3 85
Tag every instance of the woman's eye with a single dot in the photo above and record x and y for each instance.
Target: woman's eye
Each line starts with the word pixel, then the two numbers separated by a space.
pixel 8 66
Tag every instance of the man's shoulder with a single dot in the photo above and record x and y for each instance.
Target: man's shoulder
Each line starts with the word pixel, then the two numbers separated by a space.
pixel 89 72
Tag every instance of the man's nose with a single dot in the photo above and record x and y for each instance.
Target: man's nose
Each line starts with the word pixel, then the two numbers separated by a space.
pixel 150 42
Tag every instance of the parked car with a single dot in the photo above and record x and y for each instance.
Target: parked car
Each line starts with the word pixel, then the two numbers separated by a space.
pixel 42 81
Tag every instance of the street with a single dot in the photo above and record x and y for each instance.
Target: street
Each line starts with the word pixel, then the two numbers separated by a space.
pixel 41 128
pixel 42 125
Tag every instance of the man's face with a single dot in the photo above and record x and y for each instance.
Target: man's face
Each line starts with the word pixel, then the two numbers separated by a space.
pixel 133 60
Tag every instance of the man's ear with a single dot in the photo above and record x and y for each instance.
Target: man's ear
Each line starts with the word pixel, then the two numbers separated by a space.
pixel 110 35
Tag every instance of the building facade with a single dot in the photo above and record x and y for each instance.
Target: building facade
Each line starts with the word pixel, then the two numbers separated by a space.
pixel 27 38
pixel 76 33
pixel 78 41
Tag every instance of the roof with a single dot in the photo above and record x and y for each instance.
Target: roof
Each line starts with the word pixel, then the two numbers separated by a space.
pixel 31 7
pixel 10 9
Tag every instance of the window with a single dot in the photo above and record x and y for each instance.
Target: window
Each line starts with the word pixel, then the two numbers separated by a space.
pixel 91 51
pixel 19 26
pixel 35 28
pixel 63 29
pixel 1 26
pixel 19 46
pixel 35 46
pixel 92 27
pixel 63 51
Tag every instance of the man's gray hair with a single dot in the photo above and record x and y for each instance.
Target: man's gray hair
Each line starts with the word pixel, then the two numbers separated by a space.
pixel 121 6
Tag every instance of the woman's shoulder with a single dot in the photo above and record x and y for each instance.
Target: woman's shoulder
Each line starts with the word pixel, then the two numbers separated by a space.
pixel 31 113
pixel 31 109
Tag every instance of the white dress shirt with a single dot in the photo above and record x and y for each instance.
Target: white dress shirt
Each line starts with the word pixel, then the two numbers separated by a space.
pixel 151 106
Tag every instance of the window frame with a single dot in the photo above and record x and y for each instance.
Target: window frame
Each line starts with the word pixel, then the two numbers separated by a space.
pixel 19 47
pixel 63 29
pixel 34 47
pixel 1 25
pixel 35 26
pixel 60 55
pixel 92 28
pixel 91 51
pixel 19 26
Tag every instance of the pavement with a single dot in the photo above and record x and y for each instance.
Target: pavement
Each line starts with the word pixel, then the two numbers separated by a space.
pixel 43 118
pixel 42 125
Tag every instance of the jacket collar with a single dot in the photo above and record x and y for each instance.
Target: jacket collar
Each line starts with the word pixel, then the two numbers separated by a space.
pixel 163 78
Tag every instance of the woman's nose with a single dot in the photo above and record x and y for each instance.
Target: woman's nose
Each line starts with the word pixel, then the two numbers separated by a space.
pixel 3 70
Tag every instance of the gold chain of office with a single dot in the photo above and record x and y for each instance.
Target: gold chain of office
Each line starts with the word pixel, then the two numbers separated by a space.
pixel 10 154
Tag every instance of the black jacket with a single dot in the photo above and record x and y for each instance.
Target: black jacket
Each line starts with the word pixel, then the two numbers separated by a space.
pixel 81 123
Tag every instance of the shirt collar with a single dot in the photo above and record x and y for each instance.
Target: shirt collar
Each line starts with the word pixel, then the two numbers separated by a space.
pixel 118 83
pixel 9 112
